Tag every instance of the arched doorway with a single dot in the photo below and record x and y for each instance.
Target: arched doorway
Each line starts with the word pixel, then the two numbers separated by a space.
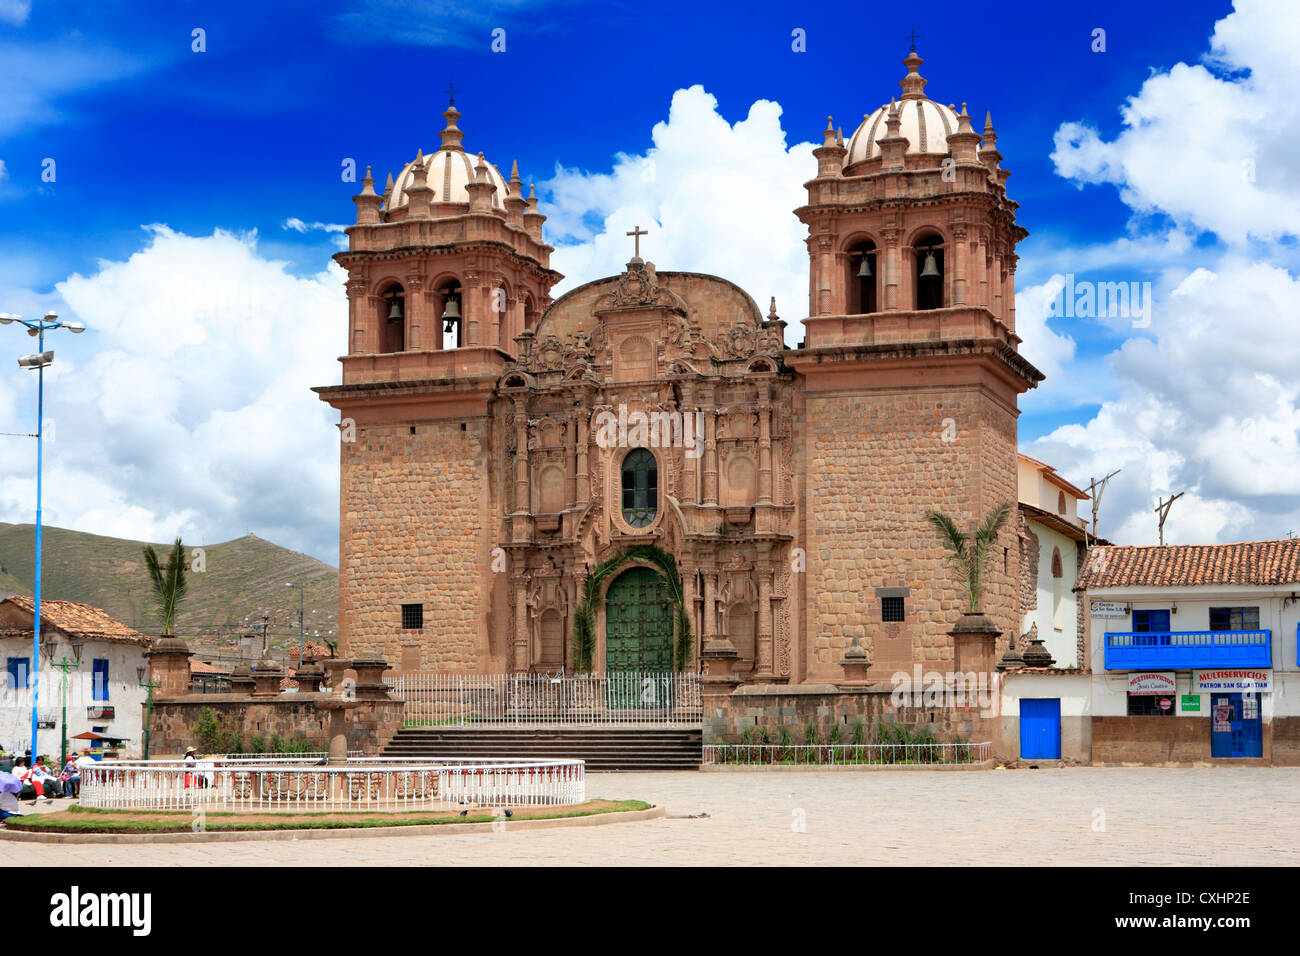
pixel 638 623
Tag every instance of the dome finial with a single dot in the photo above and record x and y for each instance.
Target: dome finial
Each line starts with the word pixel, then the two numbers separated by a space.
pixel 914 83
pixel 451 134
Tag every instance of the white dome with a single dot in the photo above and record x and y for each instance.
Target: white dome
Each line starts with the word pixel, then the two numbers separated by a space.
pixel 925 124
pixel 450 171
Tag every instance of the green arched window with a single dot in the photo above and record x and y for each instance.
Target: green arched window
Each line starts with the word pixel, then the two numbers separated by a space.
pixel 640 487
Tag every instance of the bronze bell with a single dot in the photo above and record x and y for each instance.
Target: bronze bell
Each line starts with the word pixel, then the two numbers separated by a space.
pixel 451 312
pixel 929 270
pixel 864 270
pixel 395 311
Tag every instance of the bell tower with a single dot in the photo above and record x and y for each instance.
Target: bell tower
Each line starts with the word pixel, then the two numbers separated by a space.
pixel 912 373
pixel 445 270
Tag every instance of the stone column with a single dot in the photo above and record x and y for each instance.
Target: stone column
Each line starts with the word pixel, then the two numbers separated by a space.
pixel 765 637
pixel 981 269
pixel 473 306
pixel 417 311
pixel 522 657
pixel 764 445
pixel 689 492
pixel 583 490
pixel 709 612
pixel 522 502
pixel 358 303
pixel 959 265
pixel 687 572
pixel 996 282
pixel 710 456
pixel 1009 292
pixel 893 269
pixel 370 678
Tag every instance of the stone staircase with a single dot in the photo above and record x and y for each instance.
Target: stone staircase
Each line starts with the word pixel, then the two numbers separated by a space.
pixel 649 749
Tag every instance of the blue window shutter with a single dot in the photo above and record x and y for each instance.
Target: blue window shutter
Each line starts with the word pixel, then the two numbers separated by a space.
pixel 18 669
pixel 99 679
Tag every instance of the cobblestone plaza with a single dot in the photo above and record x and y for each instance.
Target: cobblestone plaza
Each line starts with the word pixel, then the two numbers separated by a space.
pixel 1088 815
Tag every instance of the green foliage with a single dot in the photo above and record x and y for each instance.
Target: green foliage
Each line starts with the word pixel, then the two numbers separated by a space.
pixel 969 556
pixel 786 744
pixel 167 582
pixel 835 735
pixel 859 734
pixel 584 615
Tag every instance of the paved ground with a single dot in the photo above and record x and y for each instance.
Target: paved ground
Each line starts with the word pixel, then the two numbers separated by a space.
pixel 1081 815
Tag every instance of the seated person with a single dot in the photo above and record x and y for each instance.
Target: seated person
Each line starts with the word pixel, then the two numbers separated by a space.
pixel 70 777
pixel 9 806
pixel 24 773
pixel 49 782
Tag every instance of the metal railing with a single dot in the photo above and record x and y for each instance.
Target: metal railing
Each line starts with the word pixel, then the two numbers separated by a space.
pixel 846 754
pixel 1127 650
pixel 517 700
pixel 361 785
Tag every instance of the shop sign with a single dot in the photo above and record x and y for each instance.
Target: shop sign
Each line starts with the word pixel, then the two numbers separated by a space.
pixel 1106 609
pixel 1233 679
pixel 1191 703
pixel 1151 684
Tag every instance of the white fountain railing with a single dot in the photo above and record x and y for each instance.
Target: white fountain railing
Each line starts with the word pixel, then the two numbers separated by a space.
pixel 373 784
pixel 435 699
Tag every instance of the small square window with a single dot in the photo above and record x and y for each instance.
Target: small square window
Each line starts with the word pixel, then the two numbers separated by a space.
pixel 413 616
pixel 891 609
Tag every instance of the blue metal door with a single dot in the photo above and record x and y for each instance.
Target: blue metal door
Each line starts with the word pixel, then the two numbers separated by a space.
pixel 1040 728
pixel 1236 729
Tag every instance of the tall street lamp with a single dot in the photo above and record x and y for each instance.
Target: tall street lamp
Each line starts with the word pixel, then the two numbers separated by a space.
pixel 64 664
pixel 39 360
pixel 152 686
pixel 300 593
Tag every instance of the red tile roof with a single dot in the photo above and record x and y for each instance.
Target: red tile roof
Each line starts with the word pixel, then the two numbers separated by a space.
pixel 78 620
pixel 1188 565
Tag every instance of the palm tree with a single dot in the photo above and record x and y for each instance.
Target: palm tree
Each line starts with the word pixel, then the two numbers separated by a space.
pixel 969 555
pixel 168 583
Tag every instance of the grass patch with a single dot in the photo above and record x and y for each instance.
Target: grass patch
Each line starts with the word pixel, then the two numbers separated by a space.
pixel 90 820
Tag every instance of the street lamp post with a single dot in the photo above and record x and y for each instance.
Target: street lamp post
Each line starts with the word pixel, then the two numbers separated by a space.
pixel 300 594
pixel 37 328
pixel 148 707
pixel 64 664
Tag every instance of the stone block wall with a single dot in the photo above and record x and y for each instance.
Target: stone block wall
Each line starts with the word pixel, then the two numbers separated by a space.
pixel 414 520
pixel 290 716
pixel 876 462
pixel 758 707
pixel 1150 740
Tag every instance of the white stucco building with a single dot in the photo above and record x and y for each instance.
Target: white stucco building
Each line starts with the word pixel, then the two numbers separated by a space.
pixel 103 692
pixel 1049 507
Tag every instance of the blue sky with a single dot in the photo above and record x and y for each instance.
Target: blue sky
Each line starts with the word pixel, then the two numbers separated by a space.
pixel 219 149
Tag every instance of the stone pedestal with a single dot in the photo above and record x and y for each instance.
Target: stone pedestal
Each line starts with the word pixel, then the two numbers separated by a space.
pixel 266 678
pixel 370 678
pixel 974 644
pixel 336 667
pixel 169 667
pixel 855 665
pixel 241 680
pixel 309 678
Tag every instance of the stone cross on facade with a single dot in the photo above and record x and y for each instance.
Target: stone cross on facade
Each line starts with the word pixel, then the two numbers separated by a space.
pixel 636 234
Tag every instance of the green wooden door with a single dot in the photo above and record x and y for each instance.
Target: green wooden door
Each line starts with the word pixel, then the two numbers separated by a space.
pixel 638 623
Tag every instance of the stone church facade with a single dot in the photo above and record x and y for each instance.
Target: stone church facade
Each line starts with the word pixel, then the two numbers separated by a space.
pixel 499 445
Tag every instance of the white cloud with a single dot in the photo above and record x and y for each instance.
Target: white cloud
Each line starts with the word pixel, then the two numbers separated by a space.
pixel 15 11
pixel 1209 147
pixel 717 197
pixel 37 76
pixel 1210 405
pixel 1047 349
pixel 186 409
pixel 1206 400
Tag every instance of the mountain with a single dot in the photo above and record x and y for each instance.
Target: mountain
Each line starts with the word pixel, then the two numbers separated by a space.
pixel 242 580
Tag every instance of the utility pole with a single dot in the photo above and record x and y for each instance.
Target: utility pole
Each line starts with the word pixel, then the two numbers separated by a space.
pixel 1095 490
pixel 1162 509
